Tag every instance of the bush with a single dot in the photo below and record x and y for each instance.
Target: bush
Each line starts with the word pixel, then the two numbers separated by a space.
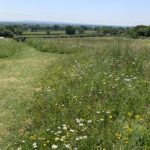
pixel 70 30
pixel 48 32
pixel 7 33
pixel 81 31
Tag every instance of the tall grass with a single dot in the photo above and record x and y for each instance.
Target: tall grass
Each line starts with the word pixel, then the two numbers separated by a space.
pixel 60 46
pixel 8 47
pixel 95 100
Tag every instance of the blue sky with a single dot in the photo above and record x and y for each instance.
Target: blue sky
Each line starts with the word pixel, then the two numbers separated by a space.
pixel 101 12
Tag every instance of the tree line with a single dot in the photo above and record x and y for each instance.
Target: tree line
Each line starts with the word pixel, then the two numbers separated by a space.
pixel 133 32
pixel 139 31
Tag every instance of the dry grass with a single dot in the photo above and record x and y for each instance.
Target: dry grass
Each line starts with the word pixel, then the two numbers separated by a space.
pixel 18 76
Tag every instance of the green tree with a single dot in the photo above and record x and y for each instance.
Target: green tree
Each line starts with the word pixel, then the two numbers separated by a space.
pixel 148 32
pixel 132 33
pixel 7 33
pixel 48 32
pixel 141 30
pixel 70 30
pixel 84 27
pixel 97 29
pixel 81 31
pixel 18 31
pixel 56 27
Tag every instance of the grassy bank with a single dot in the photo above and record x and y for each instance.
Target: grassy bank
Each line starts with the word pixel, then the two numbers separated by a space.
pixel 59 46
pixel 9 47
pixel 96 99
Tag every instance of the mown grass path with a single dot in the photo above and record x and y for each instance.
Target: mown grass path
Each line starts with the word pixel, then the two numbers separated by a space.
pixel 19 76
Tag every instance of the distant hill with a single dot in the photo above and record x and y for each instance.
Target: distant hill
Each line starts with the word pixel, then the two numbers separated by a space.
pixel 41 22
pixel 50 23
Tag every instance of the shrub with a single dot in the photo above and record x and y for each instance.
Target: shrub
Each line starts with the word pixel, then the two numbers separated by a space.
pixel 81 31
pixel 70 30
pixel 7 33
pixel 48 32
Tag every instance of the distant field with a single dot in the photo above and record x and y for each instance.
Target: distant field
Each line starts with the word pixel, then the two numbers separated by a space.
pixel 56 34
pixel 44 33
pixel 51 32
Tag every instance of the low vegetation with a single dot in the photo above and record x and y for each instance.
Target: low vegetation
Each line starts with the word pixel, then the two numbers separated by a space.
pixel 70 30
pixel 19 74
pixel 8 47
pixel 57 46
pixel 140 31
pixel 96 99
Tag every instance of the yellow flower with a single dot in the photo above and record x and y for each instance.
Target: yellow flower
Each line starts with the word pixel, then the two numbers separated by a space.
pixel 126 127
pixel 118 136
pixel 110 117
pixel 33 137
pixel 129 114
pixel 137 116
pixel 130 130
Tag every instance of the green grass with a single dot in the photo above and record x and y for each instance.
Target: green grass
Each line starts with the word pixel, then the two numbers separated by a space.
pixel 60 36
pixel 60 46
pixel 19 76
pixel 8 47
pixel 57 34
pixel 44 33
pixel 96 99
pixel 54 33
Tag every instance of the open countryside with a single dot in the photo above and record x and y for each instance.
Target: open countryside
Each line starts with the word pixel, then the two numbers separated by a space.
pixel 74 86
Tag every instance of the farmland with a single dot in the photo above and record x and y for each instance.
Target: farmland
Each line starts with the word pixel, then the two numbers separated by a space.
pixel 57 34
pixel 75 93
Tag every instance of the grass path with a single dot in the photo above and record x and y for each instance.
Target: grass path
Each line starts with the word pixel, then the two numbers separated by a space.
pixel 18 77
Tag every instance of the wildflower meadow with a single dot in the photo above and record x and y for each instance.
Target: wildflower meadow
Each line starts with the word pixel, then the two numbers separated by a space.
pixel 94 98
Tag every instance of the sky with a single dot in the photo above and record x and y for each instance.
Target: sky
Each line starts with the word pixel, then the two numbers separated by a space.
pixel 98 12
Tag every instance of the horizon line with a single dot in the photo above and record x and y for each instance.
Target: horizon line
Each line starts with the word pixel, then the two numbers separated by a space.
pixel 63 22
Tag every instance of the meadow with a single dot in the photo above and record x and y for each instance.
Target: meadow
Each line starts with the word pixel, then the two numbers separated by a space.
pixel 57 34
pixel 19 74
pixel 8 47
pixel 59 46
pixel 94 97
pixel 54 32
